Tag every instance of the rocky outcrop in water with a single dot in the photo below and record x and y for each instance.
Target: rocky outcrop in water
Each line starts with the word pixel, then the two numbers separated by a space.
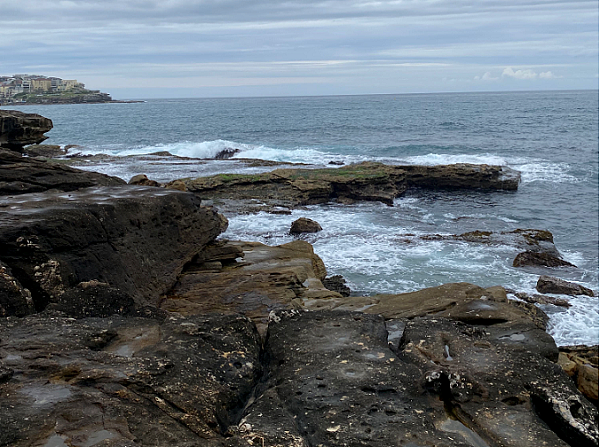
pixel 361 182
pixel 18 129
pixel 550 284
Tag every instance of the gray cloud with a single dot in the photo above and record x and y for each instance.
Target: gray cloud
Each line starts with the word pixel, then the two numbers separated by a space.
pixel 312 46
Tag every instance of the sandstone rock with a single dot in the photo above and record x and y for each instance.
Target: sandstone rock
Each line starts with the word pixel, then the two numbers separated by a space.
pixel 581 364
pixel 142 180
pixel 18 129
pixel 125 381
pixel 44 150
pixel 19 175
pixel 305 225
pixel 549 284
pixel 544 259
pixel 264 280
pixel 135 239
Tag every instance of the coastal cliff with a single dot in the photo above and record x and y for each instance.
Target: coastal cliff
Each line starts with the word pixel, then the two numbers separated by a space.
pixel 125 321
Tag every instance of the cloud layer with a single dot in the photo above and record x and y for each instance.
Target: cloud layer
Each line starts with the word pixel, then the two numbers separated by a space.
pixel 263 47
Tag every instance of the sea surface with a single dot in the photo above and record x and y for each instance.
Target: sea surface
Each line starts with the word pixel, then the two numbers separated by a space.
pixel 550 137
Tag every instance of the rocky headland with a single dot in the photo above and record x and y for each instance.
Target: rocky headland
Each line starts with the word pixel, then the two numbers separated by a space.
pixel 126 321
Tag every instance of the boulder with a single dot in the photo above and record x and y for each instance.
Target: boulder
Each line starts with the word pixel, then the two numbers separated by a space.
pixel 539 259
pixel 19 175
pixel 142 180
pixel 125 381
pixel 18 129
pixel 550 284
pixel 305 225
pixel 226 153
pixel 136 240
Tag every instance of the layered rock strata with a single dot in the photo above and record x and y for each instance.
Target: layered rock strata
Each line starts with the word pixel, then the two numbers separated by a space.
pixel 18 129
pixel 105 249
pixel 19 175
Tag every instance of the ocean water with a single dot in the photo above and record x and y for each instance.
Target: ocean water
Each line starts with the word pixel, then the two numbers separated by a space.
pixel 550 137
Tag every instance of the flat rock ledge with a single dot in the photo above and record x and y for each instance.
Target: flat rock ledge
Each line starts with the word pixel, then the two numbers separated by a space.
pixel 361 182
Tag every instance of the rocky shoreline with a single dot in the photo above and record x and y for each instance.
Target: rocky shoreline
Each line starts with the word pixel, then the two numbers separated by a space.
pixel 125 321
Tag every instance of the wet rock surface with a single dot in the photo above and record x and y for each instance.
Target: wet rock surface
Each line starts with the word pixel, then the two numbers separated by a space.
pixel 550 284
pixel 135 240
pixel 18 129
pixel 543 259
pixel 125 381
pixel 305 225
pixel 19 175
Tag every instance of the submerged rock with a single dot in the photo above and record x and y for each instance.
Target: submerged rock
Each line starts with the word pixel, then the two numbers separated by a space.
pixel 18 129
pixel 305 225
pixel 44 150
pixel 549 284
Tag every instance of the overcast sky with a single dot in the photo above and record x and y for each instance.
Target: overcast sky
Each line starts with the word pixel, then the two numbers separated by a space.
pixel 188 48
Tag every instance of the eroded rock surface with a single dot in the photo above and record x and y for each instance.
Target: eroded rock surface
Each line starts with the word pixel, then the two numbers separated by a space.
pixel 19 175
pixel 125 381
pixel 134 240
pixel 249 278
pixel 18 129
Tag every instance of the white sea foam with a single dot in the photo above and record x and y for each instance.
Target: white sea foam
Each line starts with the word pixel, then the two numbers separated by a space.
pixel 545 172
pixel 445 159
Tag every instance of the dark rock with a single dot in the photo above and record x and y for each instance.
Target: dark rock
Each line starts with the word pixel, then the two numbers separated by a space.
pixel 305 225
pixel 135 239
pixel 19 175
pixel 44 150
pixel 142 180
pixel 543 299
pixel 549 284
pixel 94 299
pixel 334 381
pixel 18 129
pixel 125 381
pixel 14 298
pixel 581 364
pixel 226 153
pixel 544 259
pixel 461 176
pixel 491 386
pixel 337 283
pixel 336 163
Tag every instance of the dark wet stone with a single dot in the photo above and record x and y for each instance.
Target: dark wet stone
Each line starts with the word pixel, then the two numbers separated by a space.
pixel 549 284
pixel 18 129
pixel 539 259
pixel 305 225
